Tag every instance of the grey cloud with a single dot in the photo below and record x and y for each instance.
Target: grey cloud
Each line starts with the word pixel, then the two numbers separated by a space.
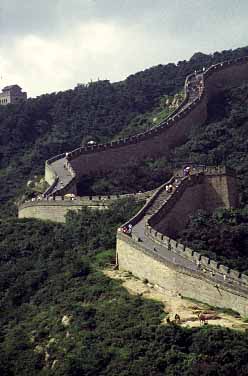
pixel 177 16
pixel 51 16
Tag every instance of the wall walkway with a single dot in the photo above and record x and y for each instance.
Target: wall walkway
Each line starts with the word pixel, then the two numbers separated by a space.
pixel 150 254
pixel 63 172
pixel 151 251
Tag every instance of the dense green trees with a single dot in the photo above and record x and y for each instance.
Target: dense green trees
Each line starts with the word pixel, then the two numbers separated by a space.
pixel 50 272
pixel 222 235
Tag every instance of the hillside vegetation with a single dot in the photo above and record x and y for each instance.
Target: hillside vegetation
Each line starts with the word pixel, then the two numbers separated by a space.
pixel 222 140
pixel 59 314
pixel 222 235
pixel 50 124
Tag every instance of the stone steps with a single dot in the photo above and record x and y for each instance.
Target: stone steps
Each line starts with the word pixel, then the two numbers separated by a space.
pixel 158 202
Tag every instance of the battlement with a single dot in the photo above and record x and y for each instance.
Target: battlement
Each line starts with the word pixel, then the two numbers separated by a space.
pixel 205 188
pixel 55 208
pixel 187 264
pixel 150 251
pixel 198 89
pixel 215 270
pixel 206 284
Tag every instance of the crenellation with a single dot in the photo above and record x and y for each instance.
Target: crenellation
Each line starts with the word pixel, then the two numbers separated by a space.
pixel 173 245
pixel 235 274
pixel 206 188
pixel 196 256
pixel 224 269
pixel 244 279
pixel 188 252
pixel 181 247
pixel 214 265
pixel 205 261
pixel 174 278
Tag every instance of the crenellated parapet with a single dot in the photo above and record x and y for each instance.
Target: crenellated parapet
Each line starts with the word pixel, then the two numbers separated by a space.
pixel 55 208
pixel 199 88
pixel 149 249
pixel 210 268
pixel 170 264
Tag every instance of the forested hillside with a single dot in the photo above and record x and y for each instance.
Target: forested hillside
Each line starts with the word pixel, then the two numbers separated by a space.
pixel 222 140
pixel 50 124
pixel 59 314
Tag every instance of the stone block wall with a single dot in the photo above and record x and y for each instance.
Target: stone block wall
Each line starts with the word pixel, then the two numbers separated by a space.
pixel 175 213
pixel 159 140
pixel 207 191
pixel 174 279
pixel 224 76
pixel 56 210
pixel 203 279
pixel 48 211
pixel 173 132
pixel 207 265
pixel 152 145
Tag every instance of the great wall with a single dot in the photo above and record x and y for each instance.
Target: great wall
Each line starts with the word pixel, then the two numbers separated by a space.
pixel 151 252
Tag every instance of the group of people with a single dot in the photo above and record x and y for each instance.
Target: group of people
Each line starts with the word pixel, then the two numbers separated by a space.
pixel 212 273
pixel 169 188
pixel 126 229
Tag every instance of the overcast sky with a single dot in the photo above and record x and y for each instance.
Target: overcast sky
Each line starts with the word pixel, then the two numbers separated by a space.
pixel 51 45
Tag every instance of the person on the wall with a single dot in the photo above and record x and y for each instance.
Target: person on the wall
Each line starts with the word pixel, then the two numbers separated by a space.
pixel 186 171
pixel 177 183
pixel 130 228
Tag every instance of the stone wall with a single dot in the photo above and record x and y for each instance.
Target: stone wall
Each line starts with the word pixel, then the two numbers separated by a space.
pixel 155 144
pixel 208 266
pixel 55 210
pixel 170 133
pixel 48 211
pixel 203 279
pixel 174 279
pixel 220 190
pixel 224 76
pixel 50 175
pixel 207 191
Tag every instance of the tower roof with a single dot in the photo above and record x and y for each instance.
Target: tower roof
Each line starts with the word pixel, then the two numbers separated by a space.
pixel 7 88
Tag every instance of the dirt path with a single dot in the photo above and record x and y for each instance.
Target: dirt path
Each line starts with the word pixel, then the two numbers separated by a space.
pixel 185 308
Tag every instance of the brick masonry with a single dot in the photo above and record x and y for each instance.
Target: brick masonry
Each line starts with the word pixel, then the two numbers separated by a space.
pixel 175 279
pixel 213 188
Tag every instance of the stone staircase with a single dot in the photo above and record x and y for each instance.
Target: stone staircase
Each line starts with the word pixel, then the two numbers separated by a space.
pixel 159 201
